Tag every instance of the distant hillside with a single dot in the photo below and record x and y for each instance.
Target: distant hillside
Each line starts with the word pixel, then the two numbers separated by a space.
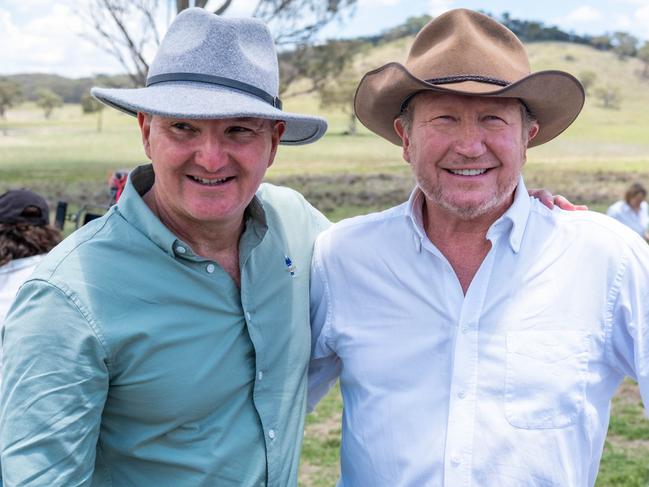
pixel 70 89
pixel 619 48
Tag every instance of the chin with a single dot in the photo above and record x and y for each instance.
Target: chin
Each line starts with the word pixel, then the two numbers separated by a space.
pixel 470 210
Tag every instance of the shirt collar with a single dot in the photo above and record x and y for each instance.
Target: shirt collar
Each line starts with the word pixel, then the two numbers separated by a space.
pixel 513 221
pixel 133 208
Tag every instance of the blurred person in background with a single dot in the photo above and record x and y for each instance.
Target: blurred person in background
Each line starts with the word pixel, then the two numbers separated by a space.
pixel 25 237
pixel 633 210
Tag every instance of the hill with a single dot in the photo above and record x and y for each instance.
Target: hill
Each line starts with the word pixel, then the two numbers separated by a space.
pixel 70 89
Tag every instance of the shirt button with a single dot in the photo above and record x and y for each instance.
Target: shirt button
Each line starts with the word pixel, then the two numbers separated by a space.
pixel 455 460
pixel 467 328
pixel 271 434
pixel 260 375
pixel 248 316
pixel 461 394
pixel 210 268
pixel 180 249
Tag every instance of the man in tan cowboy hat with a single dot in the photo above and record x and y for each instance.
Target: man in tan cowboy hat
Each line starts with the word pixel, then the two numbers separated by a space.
pixel 167 342
pixel 478 336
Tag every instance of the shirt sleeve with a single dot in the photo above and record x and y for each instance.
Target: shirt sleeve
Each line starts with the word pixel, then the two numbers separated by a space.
pixel 325 366
pixel 630 320
pixel 55 382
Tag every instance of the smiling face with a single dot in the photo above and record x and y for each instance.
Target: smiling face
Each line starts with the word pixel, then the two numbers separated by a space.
pixel 207 171
pixel 466 152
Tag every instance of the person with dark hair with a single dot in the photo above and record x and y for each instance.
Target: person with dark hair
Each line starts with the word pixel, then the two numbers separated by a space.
pixel 25 237
pixel 633 210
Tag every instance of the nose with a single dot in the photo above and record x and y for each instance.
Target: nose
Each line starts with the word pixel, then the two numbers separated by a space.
pixel 211 153
pixel 470 140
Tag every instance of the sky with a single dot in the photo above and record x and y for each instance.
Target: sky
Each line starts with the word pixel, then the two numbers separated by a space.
pixel 47 36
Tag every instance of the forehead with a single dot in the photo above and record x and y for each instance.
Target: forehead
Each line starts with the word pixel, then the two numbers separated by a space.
pixel 430 100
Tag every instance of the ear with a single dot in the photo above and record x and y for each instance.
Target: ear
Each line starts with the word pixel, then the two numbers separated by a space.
pixel 405 138
pixel 532 131
pixel 144 121
pixel 278 130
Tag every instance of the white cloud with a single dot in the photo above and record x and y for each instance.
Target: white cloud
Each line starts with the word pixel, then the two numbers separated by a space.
pixel 585 13
pixel 641 18
pixel 437 7
pixel 49 43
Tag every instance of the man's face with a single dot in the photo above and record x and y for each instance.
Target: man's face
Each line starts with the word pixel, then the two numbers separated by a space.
pixel 466 152
pixel 207 171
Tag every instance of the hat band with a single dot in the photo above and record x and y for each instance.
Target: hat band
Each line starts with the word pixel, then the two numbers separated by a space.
pixel 469 77
pixel 217 80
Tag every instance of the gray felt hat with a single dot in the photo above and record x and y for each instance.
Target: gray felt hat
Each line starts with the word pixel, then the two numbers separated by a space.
pixel 211 67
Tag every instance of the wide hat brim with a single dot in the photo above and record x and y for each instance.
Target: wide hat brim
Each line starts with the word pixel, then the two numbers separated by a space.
pixel 196 100
pixel 554 98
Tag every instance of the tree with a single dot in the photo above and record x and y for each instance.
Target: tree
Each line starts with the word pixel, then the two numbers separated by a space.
pixel 10 96
pixel 338 90
pixel 643 55
pixel 91 105
pixel 314 66
pixel 601 43
pixel 129 30
pixel 624 44
pixel 609 96
pixel 587 79
pixel 48 101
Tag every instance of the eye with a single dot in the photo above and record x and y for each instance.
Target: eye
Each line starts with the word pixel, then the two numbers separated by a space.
pixel 495 119
pixel 239 129
pixel 183 127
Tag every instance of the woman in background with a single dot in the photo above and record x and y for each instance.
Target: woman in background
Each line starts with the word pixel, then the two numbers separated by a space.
pixel 633 211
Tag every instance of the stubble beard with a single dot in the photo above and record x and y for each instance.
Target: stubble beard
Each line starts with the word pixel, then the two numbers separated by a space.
pixel 500 197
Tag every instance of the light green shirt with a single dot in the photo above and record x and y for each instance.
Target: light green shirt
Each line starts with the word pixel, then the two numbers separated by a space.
pixel 132 361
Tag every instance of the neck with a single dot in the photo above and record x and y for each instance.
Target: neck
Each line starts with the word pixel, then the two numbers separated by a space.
pixel 214 241
pixel 462 241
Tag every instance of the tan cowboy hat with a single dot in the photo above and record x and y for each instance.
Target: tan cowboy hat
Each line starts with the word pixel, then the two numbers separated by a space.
pixel 468 53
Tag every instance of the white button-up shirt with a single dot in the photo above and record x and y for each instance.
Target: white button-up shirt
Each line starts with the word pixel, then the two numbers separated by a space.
pixel 638 221
pixel 509 385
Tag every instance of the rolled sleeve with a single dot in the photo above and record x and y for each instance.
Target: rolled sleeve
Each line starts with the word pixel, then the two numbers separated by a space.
pixel 55 382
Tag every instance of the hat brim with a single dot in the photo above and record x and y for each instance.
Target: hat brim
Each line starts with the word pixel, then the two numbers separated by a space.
pixel 195 100
pixel 555 98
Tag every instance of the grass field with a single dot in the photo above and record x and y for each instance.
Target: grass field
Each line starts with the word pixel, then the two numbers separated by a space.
pixel 66 158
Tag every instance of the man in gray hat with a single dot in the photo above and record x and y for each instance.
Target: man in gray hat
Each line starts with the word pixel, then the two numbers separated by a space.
pixel 167 342
pixel 478 336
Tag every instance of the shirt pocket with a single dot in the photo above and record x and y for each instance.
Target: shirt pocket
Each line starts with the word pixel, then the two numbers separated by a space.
pixel 546 377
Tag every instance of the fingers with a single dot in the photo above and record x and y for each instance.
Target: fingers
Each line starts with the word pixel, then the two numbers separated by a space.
pixel 549 200
pixel 564 204
pixel 544 196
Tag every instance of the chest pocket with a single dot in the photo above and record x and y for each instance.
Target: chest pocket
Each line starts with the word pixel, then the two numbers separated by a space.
pixel 546 377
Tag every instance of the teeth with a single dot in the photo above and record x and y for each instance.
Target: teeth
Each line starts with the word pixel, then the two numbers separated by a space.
pixel 468 172
pixel 209 182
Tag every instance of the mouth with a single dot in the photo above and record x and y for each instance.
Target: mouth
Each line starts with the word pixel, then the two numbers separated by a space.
pixel 210 181
pixel 468 172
